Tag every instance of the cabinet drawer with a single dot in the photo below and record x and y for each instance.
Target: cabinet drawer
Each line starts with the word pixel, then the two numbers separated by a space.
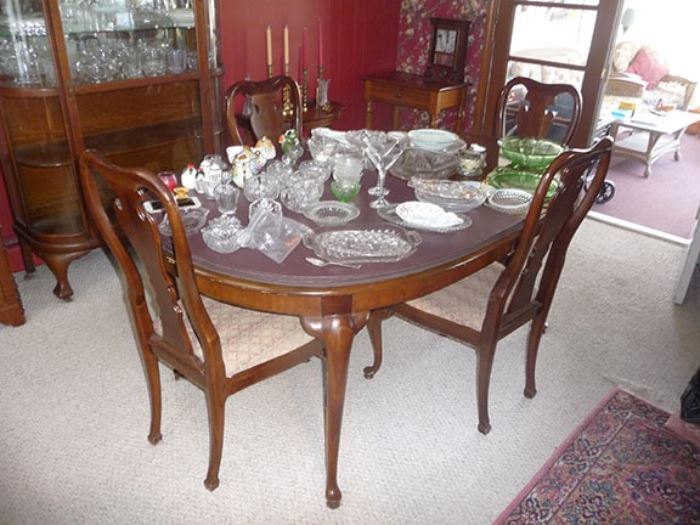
pixel 399 95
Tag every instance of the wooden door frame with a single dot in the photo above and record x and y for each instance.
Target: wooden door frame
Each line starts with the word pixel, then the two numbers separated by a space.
pixel 499 23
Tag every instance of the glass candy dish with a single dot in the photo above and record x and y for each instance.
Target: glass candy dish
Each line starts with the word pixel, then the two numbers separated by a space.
pixel 192 220
pixel 331 213
pixel 221 234
pixel 376 243
pixel 511 201
pixel 416 162
pixel 530 153
pixel 456 196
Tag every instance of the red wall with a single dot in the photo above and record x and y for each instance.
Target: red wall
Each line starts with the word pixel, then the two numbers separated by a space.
pixel 360 37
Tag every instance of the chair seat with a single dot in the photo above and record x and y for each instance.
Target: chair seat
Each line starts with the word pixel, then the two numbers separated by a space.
pixel 248 337
pixel 463 302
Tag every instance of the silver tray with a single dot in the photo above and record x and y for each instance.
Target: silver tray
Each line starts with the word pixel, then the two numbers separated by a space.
pixel 389 214
pixel 331 213
pixel 364 244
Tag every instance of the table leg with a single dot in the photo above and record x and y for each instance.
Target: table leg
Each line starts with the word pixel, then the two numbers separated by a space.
pixel 337 333
pixel 653 139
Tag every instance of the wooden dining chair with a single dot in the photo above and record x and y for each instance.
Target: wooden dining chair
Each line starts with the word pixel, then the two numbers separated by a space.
pixel 488 305
pixel 265 118
pixel 528 108
pixel 219 348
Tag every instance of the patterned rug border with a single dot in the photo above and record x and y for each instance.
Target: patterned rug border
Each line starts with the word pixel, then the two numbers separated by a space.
pixel 570 439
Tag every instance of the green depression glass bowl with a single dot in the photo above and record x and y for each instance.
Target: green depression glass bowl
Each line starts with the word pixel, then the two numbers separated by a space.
pixel 530 153
pixel 345 192
pixel 507 177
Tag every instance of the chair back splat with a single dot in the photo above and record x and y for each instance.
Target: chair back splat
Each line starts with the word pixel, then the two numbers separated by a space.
pixel 548 230
pixel 528 108
pixel 131 188
pixel 266 119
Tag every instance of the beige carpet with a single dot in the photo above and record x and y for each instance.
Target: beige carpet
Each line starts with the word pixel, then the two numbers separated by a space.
pixel 74 411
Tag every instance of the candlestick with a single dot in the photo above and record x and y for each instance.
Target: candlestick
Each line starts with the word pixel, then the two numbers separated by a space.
pixel 268 35
pixel 320 44
pixel 305 89
pixel 286 44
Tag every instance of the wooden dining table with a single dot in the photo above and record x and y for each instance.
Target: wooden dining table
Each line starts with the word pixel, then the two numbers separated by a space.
pixel 333 303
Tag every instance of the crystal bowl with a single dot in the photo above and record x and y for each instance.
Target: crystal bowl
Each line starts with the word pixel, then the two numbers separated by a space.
pixel 432 139
pixel 529 153
pixel 416 162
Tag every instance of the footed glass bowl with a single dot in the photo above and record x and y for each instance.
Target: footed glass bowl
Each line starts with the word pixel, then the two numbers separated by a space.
pixel 530 153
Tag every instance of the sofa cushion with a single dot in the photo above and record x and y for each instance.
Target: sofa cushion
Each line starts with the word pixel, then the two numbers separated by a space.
pixel 647 66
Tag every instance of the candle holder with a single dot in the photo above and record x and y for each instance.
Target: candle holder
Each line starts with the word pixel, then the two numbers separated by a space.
pixel 287 106
pixel 305 89
pixel 322 100
pixel 269 71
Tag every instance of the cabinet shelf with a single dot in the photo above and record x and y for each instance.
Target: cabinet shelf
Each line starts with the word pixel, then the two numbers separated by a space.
pixel 122 141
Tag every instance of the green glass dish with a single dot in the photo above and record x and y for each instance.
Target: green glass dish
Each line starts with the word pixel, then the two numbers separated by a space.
pixel 507 177
pixel 531 153
pixel 345 192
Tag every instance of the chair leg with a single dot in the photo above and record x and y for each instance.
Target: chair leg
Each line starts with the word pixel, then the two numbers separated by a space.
pixel 484 360
pixel 374 326
pixel 215 405
pixel 154 393
pixel 538 327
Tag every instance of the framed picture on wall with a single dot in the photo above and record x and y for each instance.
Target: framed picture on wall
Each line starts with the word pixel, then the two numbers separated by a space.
pixel 448 49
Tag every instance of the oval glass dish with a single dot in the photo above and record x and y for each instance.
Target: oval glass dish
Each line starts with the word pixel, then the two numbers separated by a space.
pixel 331 213
pixel 390 214
pixel 455 196
pixel 192 219
pixel 364 244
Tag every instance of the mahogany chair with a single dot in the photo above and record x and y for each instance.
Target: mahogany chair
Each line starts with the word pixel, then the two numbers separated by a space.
pixel 528 108
pixel 265 119
pixel 205 341
pixel 485 307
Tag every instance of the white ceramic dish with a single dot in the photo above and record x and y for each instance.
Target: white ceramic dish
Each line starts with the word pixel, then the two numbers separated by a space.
pixel 426 214
pixel 432 139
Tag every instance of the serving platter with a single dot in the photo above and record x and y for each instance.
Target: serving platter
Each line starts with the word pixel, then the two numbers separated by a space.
pixel 365 244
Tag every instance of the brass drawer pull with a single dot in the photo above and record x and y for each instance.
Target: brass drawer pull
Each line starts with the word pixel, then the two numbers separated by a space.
pixel 399 94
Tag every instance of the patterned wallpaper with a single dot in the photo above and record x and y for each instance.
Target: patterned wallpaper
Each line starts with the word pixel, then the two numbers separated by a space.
pixel 414 42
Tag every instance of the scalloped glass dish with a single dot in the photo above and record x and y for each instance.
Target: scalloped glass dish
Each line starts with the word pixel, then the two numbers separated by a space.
pixel 512 202
pixel 331 213
pixel 423 164
pixel 390 214
pixel 379 243
pixel 192 219
pixel 221 234
pixel 455 196
pixel 507 177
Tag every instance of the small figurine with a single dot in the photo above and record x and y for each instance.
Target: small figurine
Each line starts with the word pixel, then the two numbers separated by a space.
pixel 188 177
pixel 289 140
pixel 266 148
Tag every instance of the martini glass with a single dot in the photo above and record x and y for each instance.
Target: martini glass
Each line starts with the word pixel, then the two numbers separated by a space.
pixel 383 150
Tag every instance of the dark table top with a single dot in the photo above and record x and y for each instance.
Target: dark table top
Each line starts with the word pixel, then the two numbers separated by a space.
pixel 436 249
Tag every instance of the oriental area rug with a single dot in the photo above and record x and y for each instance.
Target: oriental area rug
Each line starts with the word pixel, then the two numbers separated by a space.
pixel 623 464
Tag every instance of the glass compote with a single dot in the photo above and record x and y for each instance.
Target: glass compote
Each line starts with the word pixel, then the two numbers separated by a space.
pixel 383 150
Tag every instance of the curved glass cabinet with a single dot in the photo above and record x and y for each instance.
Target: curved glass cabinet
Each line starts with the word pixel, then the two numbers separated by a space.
pixel 135 79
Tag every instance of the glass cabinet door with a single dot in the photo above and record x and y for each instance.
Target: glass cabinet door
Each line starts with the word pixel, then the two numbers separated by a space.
pixel 112 40
pixel 25 56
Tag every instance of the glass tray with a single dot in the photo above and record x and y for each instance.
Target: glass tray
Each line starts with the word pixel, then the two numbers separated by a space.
pixel 192 219
pixel 424 164
pixel 389 214
pixel 366 244
pixel 455 196
pixel 331 213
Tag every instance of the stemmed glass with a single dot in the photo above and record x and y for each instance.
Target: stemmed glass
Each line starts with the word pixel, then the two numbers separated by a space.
pixel 383 150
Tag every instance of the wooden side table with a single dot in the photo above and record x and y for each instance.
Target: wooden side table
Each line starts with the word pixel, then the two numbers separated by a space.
pixel 11 311
pixel 414 91
pixel 313 117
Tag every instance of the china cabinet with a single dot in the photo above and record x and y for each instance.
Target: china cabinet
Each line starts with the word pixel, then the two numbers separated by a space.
pixel 137 79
